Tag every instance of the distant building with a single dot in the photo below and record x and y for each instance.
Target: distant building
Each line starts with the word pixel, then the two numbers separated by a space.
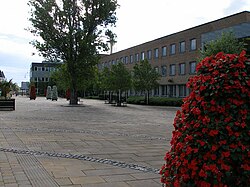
pixel 40 74
pixel 2 76
pixel 24 88
pixel 175 56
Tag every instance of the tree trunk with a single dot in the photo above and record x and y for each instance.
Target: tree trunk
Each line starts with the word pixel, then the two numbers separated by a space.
pixel 73 94
pixel 119 98
pixel 147 97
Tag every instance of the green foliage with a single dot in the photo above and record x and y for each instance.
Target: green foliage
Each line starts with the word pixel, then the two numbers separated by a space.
pixel 156 101
pixel 120 78
pixel 72 31
pixel 145 78
pixel 226 43
pixel 105 78
pixel 5 87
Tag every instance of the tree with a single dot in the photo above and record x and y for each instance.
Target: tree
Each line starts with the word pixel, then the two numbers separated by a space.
pixel 120 80
pixel 5 87
pixel 105 78
pixel 72 31
pixel 226 43
pixel 145 78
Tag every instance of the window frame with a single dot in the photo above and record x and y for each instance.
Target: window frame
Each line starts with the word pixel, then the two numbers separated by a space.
pixel 182 70
pixel 172 49
pixel 191 44
pixel 172 73
pixel 164 51
pixel 156 53
pixel 190 67
pixel 182 47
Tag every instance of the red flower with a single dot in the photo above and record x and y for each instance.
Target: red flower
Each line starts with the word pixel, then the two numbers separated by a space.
pixel 226 154
pixel 205 184
pixel 213 157
pixel 214 147
pixel 246 167
pixel 213 102
pixel 202 173
pixel 213 132
pixel 225 167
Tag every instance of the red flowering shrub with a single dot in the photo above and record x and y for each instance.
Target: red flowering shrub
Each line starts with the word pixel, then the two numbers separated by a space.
pixel 32 92
pixel 211 139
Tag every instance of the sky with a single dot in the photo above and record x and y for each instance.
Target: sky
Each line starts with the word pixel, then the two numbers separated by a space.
pixel 139 21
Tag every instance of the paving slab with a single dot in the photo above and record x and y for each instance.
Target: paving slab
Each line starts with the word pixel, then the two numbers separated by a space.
pixel 49 143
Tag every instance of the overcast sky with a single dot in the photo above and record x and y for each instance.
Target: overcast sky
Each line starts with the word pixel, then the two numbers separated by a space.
pixel 139 21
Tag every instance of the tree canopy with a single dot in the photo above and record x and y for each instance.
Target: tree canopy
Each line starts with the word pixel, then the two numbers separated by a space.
pixel 145 78
pixel 72 31
pixel 226 43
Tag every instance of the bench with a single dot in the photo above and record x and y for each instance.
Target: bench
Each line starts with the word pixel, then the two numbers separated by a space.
pixel 7 104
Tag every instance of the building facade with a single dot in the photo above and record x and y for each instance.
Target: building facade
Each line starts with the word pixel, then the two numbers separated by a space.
pixel 175 56
pixel 40 74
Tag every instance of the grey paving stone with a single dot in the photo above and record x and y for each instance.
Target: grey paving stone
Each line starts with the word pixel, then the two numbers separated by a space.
pixel 41 138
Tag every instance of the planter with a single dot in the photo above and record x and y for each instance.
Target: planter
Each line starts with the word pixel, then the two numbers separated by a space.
pixel 7 104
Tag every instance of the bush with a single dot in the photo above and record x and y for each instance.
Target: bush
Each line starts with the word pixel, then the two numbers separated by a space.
pixel 156 101
pixel 32 92
pixel 210 143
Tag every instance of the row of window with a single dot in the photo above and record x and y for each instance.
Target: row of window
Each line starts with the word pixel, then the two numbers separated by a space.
pixel 44 68
pixel 149 54
pixel 166 90
pixel 181 69
pixel 41 79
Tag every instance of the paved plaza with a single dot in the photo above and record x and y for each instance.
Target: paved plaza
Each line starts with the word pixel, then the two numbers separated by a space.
pixel 46 143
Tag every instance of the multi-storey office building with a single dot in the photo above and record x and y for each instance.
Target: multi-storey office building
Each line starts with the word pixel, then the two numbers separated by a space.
pixel 175 56
pixel 40 74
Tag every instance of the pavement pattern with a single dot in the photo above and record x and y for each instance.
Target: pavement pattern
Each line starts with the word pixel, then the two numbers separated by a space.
pixel 46 143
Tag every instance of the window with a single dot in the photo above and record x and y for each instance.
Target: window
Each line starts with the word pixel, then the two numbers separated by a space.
pixel 182 68
pixel 113 62
pixel 126 59
pixel 192 44
pixel 182 47
pixel 172 90
pixel 142 55
pixel 35 68
pixel 131 59
pixel 137 57
pixel 182 90
pixel 192 66
pixel 164 71
pixel 164 51
pixel 156 53
pixel 172 69
pixel 121 60
pixel 172 49
pixel 149 54
pixel 164 90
